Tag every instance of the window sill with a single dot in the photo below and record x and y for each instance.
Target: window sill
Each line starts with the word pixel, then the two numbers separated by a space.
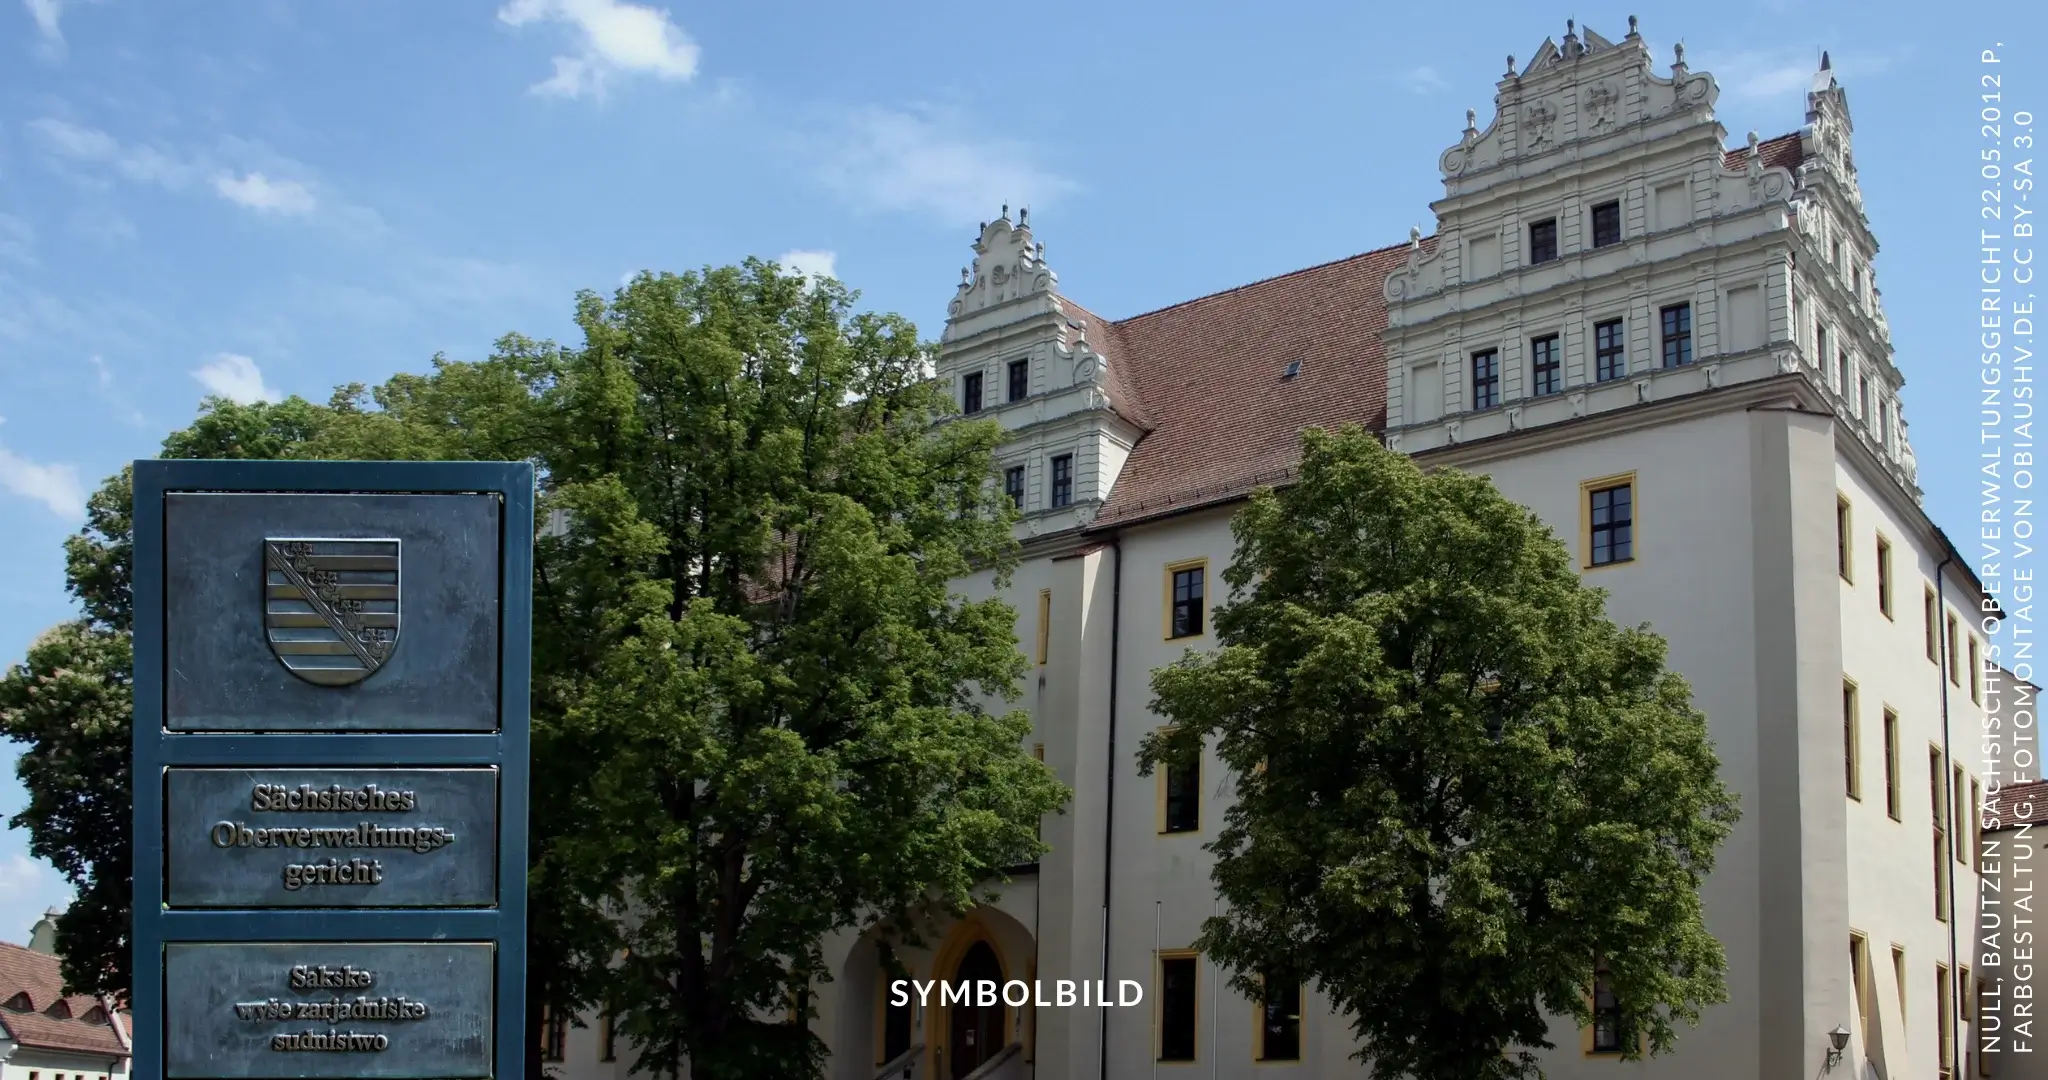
pixel 1609 564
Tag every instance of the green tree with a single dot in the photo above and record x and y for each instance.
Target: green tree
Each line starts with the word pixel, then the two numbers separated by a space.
pixel 1457 781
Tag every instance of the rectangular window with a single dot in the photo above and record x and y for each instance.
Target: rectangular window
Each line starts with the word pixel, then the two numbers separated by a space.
pixel 1020 379
pixel 897 1028
pixel 1013 485
pixel 1852 742
pixel 1937 780
pixel 554 1033
pixel 1945 1024
pixel 1976 673
pixel 1279 1023
pixel 1677 323
pixel 1884 576
pixel 1063 480
pixel 1610 359
pixel 1606 1012
pixel 1955 671
pixel 1844 549
pixel 607 1038
pixel 1546 373
pixel 1859 974
pixel 1959 787
pixel 970 393
pixel 1177 975
pixel 1963 995
pixel 1044 623
pixel 1607 224
pixel 1928 608
pixel 1899 978
pixel 1485 379
pixel 1610 521
pixel 1892 789
pixel 1185 610
pixel 1180 797
pixel 1976 832
pixel 1820 347
pixel 1542 241
pixel 1845 385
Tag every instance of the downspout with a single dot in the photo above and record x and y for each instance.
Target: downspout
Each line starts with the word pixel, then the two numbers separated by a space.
pixel 1116 625
pixel 1947 772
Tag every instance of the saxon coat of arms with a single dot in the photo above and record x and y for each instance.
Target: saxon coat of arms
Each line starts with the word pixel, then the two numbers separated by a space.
pixel 330 607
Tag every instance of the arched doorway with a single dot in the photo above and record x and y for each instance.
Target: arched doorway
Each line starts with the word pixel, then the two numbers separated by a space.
pixel 976 1030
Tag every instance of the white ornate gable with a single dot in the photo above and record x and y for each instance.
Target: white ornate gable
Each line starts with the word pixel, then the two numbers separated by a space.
pixel 1007 266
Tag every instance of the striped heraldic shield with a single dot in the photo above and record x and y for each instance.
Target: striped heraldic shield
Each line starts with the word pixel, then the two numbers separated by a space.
pixel 330 607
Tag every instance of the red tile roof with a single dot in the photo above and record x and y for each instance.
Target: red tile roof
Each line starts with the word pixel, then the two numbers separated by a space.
pixel 2016 805
pixel 52 1020
pixel 1206 377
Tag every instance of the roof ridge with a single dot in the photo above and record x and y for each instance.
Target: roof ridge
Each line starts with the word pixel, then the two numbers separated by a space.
pixel 1263 281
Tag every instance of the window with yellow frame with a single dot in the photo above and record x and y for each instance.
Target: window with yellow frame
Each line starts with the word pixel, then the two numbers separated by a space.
pixel 1186 613
pixel 1276 1022
pixel 1608 521
pixel 1179 790
pixel 1044 625
pixel 1603 1037
pixel 1176 1014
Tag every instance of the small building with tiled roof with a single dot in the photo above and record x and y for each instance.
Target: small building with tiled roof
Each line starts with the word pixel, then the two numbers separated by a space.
pixel 46 1034
pixel 1670 345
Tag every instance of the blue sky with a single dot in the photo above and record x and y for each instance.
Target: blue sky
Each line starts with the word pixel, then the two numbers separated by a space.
pixel 264 197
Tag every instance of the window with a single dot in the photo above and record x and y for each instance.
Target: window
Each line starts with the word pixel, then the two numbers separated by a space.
pixel 1884 576
pixel 1928 607
pixel 1976 833
pixel 1852 742
pixel 1542 241
pixel 1606 1013
pixel 1976 674
pixel 1020 379
pixel 1820 347
pixel 1546 374
pixel 1963 995
pixel 1063 480
pixel 1485 379
pixel 1608 533
pixel 1936 781
pixel 1185 611
pixel 1835 254
pixel 607 1038
pixel 1044 623
pixel 970 393
pixel 1899 978
pixel 1180 797
pixel 1859 974
pixel 1959 787
pixel 1892 790
pixel 1945 1022
pixel 1607 224
pixel 1677 323
pixel 1843 384
pixel 1013 486
pixel 1177 1006
pixel 554 1033
pixel 1279 1034
pixel 1844 558
pixel 896 1027
pixel 1955 674
pixel 1609 357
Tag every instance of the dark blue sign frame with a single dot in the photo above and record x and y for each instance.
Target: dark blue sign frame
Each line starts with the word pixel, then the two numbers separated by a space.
pixel 156 748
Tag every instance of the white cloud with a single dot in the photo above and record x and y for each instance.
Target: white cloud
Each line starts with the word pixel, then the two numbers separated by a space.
pixel 260 193
pixel 101 373
pixel 47 15
pixel 142 164
pixel 235 377
pixel 613 38
pixel 30 885
pixel 1422 80
pixel 897 161
pixel 811 264
pixel 55 486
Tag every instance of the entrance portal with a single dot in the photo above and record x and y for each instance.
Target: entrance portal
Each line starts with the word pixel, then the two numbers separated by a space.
pixel 977 1030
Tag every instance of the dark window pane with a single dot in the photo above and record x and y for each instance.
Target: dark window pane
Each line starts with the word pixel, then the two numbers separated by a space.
pixel 1485 379
pixel 1677 335
pixel 1546 374
pixel 1612 523
pixel 1063 480
pixel 1020 379
pixel 1606 1017
pixel 1183 798
pixel 1606 224
pixel 970 393
pixel 1187 603
pixel 1609 359
pixel 1281 1018
pixel 1177 1008
pixel 1013 485
pixel 1543 241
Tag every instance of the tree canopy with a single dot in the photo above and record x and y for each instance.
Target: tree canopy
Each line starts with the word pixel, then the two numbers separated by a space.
pixel 760 711
pixel 1460 787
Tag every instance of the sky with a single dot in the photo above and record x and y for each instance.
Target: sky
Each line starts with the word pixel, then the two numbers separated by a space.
pixel 257 198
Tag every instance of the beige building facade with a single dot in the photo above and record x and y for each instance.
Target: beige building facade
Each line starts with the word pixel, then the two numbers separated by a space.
pixel 1673 352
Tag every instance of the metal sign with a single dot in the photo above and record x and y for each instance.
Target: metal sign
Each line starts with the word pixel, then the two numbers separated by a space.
pixel 330 817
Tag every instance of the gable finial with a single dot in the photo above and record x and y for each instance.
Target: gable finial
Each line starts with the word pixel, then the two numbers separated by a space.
pixel 1414 236
pixel 1678 51
pixel 1006 211
pixel 1753 140
pixel 1471 119
pixel 1023 215
pixel 965 279
pixel 1511 65
pixel 1824 64
pixel 1632 26
pixel 1040 251
pixel 1571 27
